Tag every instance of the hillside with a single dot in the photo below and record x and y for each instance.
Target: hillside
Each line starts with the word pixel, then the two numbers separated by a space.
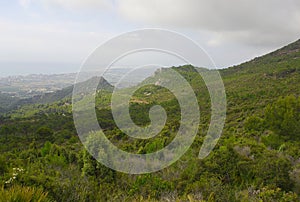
pixel 6 102
pixel 253 85
pixel 48 98
pixel 286 57
pixel 256 159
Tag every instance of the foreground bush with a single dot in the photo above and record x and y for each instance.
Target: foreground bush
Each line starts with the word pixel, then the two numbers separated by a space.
pixel 22 194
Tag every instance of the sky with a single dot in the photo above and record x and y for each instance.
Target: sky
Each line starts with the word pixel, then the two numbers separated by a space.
pixel 56 36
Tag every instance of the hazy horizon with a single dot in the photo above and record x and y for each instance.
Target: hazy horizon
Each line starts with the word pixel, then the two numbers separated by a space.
pixel 30 68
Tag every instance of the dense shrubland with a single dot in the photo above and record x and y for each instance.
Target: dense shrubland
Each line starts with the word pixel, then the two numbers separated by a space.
pixel 256 159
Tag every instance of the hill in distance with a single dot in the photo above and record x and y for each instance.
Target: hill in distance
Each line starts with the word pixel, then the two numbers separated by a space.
pixel 47 98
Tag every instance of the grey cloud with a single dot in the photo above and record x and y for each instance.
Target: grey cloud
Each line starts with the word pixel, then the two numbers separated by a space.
pixel 263 22
pixel 252 22
pixel 230 30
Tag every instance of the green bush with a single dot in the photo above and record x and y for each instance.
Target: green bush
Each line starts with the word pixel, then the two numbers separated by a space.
pixel 254 123
pixel 23 194
pixel 283 117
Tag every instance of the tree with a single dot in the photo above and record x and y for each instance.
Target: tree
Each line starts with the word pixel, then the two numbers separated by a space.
pixel 44 132
pixel 283 117
pixel 91 167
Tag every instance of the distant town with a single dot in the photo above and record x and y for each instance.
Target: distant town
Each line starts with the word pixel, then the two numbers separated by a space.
pixel 35 84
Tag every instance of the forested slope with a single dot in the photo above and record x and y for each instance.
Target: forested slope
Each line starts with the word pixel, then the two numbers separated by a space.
pixel 256 159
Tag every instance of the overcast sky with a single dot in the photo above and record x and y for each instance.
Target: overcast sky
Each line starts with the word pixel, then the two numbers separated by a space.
pixel 54 36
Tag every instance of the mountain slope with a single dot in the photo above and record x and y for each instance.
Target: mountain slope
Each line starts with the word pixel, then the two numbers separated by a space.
pixel 65 93
pixel 251 162
pixel 254 84
pixel 283 58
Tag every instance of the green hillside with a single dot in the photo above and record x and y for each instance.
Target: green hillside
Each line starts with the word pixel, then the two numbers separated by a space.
pixel 6 102
pixel 256 159
pixel 9 103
